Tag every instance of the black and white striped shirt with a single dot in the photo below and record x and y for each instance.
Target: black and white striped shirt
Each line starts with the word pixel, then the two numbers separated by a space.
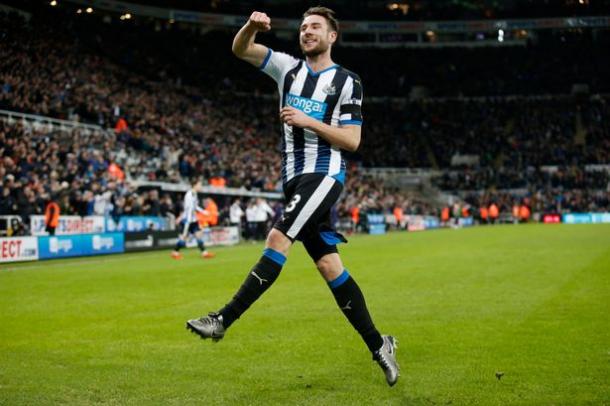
pixel 333 96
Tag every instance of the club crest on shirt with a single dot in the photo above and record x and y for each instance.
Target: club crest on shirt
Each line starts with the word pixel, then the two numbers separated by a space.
pixel 329 89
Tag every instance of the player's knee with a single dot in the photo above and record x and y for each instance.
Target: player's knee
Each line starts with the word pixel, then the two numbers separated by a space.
pixel 278 241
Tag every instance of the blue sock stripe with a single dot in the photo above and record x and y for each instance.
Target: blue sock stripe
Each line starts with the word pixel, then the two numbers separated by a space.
pixel 181 243
pixel 275 256
pixel 340 280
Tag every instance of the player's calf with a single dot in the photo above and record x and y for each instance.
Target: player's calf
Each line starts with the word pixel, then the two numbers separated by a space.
pixel 351 301
pixel 260 278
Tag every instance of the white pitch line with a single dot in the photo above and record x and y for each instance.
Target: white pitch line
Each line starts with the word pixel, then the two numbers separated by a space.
pixel 98 260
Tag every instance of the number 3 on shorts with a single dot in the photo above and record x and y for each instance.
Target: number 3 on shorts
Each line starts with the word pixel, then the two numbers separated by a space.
pixel 293 203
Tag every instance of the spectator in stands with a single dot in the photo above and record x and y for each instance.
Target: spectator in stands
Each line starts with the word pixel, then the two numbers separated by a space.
pixel 251 220
pixel 263 213
pixel 494 213
pixel 236 214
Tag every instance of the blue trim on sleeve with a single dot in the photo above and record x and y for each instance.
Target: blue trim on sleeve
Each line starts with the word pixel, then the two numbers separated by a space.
pixel 275 256
pixel 353 122
pixel 340 280
pixel 267 57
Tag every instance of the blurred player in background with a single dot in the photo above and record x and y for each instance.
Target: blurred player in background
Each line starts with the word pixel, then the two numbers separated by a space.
pixel 189 223
pixel 320 110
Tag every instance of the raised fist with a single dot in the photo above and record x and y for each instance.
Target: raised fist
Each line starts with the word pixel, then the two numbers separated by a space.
pixel 260 21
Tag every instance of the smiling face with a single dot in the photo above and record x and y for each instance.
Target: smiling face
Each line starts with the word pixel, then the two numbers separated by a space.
pixel 316 37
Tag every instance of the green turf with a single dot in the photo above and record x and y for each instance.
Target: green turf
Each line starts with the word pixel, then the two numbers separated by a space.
pixel 532 302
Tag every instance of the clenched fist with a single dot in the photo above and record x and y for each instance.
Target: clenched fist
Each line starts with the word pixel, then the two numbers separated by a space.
pixel 260 21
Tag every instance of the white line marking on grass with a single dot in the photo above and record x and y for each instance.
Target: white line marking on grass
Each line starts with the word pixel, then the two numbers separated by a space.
pixel 67 262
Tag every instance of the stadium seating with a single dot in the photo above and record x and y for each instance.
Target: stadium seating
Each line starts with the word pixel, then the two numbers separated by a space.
pixel 182 116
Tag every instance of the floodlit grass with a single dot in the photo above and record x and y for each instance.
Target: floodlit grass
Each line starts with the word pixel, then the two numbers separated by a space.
pixel 529 302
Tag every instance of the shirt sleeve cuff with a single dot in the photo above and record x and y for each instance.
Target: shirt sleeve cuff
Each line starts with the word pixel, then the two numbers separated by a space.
pixel 350 122
pixel 266 61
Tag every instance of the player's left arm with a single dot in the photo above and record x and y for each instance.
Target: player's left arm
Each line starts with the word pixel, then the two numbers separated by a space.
pixel 346 137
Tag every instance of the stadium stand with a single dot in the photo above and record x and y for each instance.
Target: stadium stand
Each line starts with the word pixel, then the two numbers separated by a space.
pixel 179 105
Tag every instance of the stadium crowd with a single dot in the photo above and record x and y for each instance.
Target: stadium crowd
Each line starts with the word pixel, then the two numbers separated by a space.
pixel 566 177
pixel 538 203
pixel 177 118
pixel 72 168
pixel 550 63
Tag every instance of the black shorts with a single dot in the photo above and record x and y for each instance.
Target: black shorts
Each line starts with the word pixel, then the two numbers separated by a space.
pixel 191 227
pixel 309 199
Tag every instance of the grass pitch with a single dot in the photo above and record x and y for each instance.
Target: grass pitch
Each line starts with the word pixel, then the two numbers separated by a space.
pixel 527 304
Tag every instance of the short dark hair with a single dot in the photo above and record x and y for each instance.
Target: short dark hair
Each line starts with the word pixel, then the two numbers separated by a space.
pixel 325 12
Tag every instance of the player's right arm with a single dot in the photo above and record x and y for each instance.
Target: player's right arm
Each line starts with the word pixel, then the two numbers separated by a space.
pixel 244 46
